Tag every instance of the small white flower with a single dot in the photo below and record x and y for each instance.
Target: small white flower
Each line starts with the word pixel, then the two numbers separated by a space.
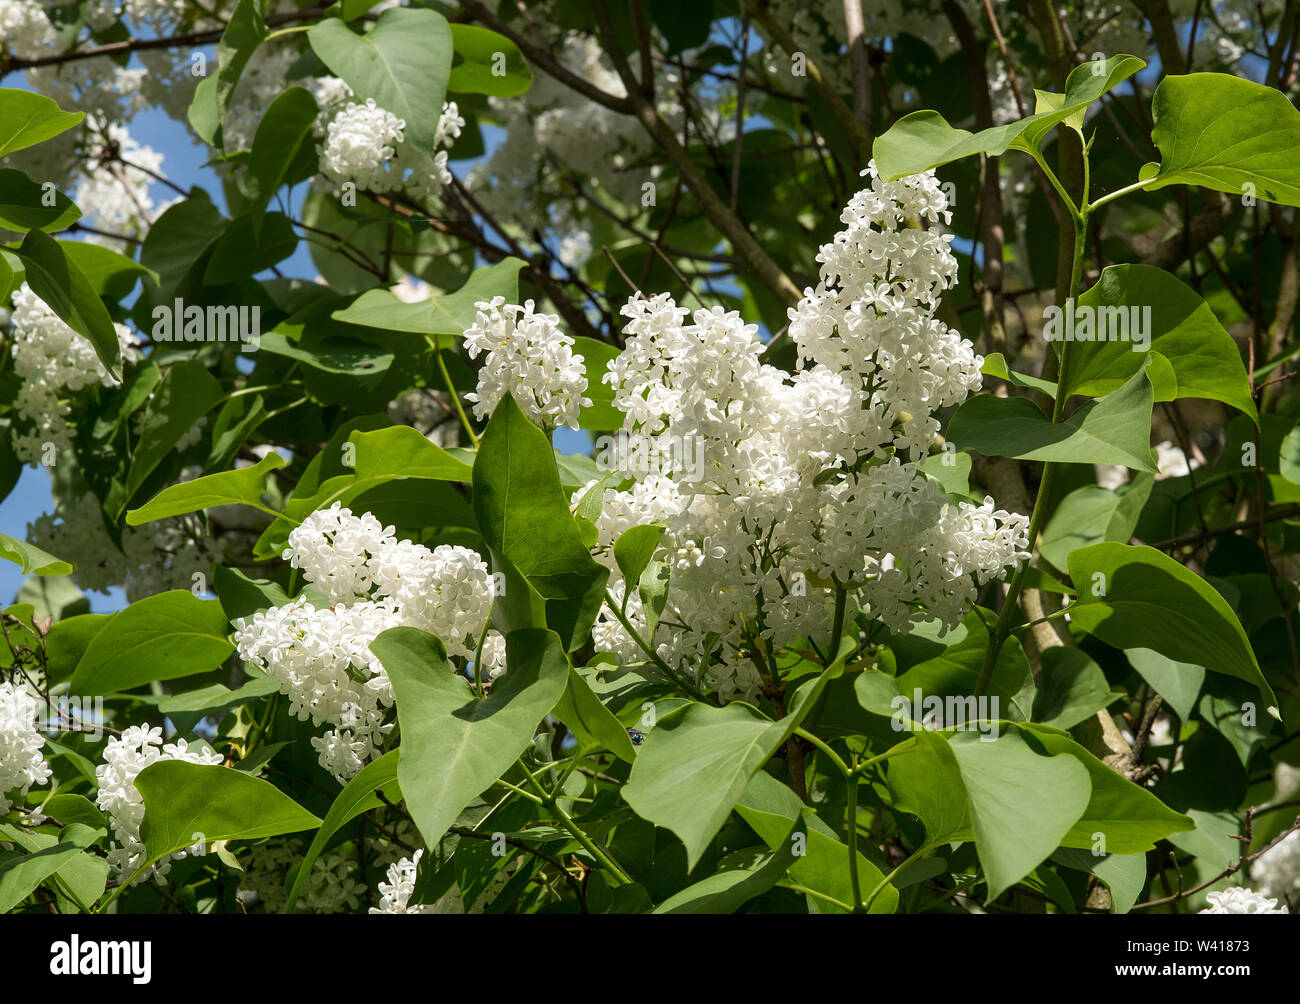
pixel 124 757
pixel 21 762
pixel 396 892
pixel 530 357
pixel 1241 900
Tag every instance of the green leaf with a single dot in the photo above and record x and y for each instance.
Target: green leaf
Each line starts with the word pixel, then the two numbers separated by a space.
pixel 23 208
pixel 1123 874
pixel 439 315
pixel 995 365
pixel 1225 133
pixel 633 551
pixel 69 808
pixel 1071 688
pixel 1224 708
pixel 769 808
pixel 110 274
pixel 1021 804
pixel 924 779
pixel 1121 817
pixel 238 418
pixel 57 280
pixel 346 356
pixel 951 469
pixel 187 802
pixel 1092 514
pixel 179 241
pixel 1115 429
pixel 1289 456
pixel 184 396
pixel 601 413
pixel 1179 683
pixel 394 453
pixel 1214 840
pixel 956 670
pixel 21 873
pixel 160 637
pixel 282 143
pixel 54 596
pixel 81 874
pixel 487 63
pixel 67 641
pixel 749 874
pixel 27 118
pixel 241 596
pixel 1137 597
pixel 357 796
pixel 592 722
pixel 31 558
pixel 402 62
pixel 217 697
pixel 694 766
pixel 524 516
pixel 245 31
pixel 244 250
pixel 244 486
pixel 924 139
pixel 455 745
pixel 401 452
pixel 1181 327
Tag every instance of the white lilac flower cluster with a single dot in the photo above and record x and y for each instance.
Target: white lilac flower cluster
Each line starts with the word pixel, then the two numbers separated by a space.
pixel 787 485
pixel 53 362
pixel 366 145
pixel 162 16
pixel 124 757
pixel 1276 872
pixel 329 888
pixel 395 894
pixel 21 762
pixel 153 558
pixel 25 31
pixel 529 356
pixel 367 581
pixel 55 365
pixel 332 885
pixel 1241 900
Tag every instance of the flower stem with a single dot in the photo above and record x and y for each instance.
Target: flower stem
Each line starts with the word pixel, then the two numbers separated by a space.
pixel 455 398
pixel 579 834
pixel 854 880
pixel 1001 629
pixel 644 646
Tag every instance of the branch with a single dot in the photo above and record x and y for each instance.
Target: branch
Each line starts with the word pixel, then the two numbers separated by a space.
pixel 769 272
pixel 858 134
pixel 130 45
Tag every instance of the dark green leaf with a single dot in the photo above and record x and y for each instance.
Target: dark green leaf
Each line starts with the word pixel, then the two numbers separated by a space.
pixel 23 205
pixel 1137 597
pixel 1115 429
pixel 57 280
